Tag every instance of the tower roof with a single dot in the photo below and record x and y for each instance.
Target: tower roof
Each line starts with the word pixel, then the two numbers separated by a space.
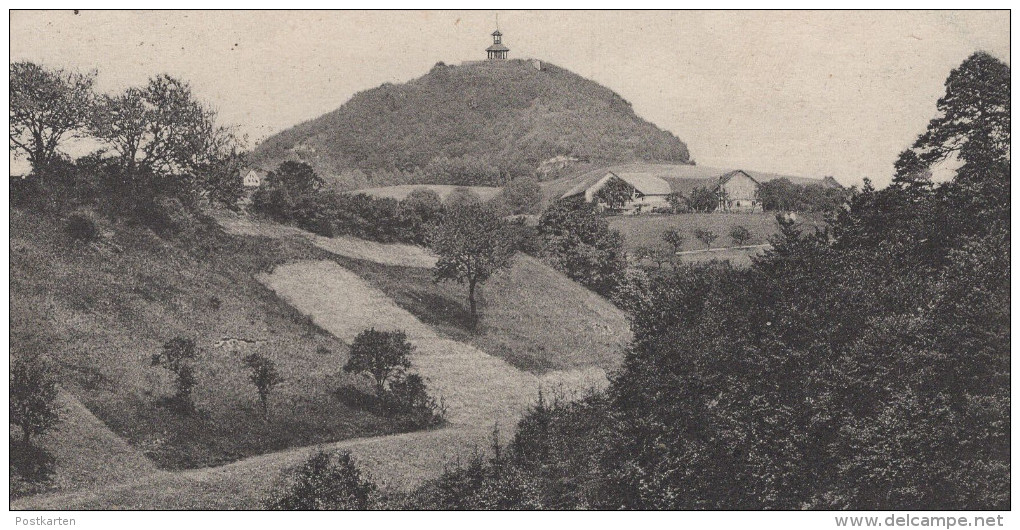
pixel 497 48
pixel 497 33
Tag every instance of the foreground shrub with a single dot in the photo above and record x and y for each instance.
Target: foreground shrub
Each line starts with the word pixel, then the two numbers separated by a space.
pixel 176 356
pixel 81 228
pixel 326 481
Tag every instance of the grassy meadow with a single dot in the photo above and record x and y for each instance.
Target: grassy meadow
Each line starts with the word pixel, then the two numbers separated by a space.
pixel 532 316
pixel 647 230
pixel 102 310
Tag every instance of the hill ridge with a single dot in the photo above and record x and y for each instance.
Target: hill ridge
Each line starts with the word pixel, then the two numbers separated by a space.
pixel 473 124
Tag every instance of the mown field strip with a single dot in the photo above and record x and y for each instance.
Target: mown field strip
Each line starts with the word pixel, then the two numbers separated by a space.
pixel 480 392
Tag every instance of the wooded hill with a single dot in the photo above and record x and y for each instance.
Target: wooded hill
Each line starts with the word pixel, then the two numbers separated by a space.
pixel 474 124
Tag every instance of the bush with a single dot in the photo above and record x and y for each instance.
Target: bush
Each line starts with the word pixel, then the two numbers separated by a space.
pixel 81 228
pixel 326 481
pixel 408 399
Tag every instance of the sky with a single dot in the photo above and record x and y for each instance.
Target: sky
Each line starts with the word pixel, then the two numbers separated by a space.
pixel 804 93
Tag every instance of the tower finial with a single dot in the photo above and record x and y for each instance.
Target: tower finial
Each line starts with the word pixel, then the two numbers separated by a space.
pixel 497 21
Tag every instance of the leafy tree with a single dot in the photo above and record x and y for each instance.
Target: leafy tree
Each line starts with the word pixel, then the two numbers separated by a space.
pixel 382 354
pixel 677 202
pixel 577 241
pixel 297 178
pixel 177 356
pixel 779 195
pixel 421 211
pixel 33 407
pixel 521 195
pixel 705 236
pixel 47 106
pixel 408 396
pixel 472 244
pixel 740 235
pixel 222 178
pixel 659 256
pixel 263 375
pixel 326 481
pixel 462 197
pixel 615 193
pixel 675 238
pixel 703 200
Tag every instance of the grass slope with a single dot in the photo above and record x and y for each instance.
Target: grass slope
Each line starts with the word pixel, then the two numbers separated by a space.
pixel 102 310
pixel 532 316
pixel 647 230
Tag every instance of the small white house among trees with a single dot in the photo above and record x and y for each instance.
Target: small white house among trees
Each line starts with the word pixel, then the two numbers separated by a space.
pixel 254 177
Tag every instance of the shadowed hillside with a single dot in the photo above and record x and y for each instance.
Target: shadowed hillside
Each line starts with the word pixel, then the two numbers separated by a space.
pixel 473 124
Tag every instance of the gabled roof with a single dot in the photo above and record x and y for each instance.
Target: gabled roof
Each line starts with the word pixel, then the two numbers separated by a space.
pixel 725 178
pixel 645 183
pixel 258 171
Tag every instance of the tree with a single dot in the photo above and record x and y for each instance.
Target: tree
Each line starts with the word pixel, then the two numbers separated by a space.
pixel 521 195
pixel 703 200
pixel 674 238
pixel 263 375
pixel 577 241
pixel 461 197
pixel 421 211
pixel 47 106
pixel 33 406
pixel 740 235
pixel 779 195
pixel 472 244
pixel 159 132
pixel 677 201
pixel 615 193
pixel 297 178
pixel 660 256
pixel 326 481
pixel 706 236
pixel 974 124
pixel 382 354
pixel 176 356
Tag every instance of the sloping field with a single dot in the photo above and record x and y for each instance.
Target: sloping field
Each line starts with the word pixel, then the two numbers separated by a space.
pixel 395 254
pixel 479 391
pixel 101 310
pixel 485 193
pixel 86 453
pixel 533 316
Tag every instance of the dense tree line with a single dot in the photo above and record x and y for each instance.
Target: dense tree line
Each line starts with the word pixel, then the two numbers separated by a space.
pixel 784 196
pixel 155 143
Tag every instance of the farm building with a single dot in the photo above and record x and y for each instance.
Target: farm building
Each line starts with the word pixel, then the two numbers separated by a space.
pixel 649 185
pixel 254 177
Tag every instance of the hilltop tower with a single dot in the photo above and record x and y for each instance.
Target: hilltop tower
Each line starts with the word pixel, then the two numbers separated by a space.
pixel 498 51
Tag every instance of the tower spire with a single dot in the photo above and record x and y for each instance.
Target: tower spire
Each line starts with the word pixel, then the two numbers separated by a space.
pixel 498 50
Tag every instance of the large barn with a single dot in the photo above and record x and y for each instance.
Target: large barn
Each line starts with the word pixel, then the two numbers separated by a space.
pixel 651 184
